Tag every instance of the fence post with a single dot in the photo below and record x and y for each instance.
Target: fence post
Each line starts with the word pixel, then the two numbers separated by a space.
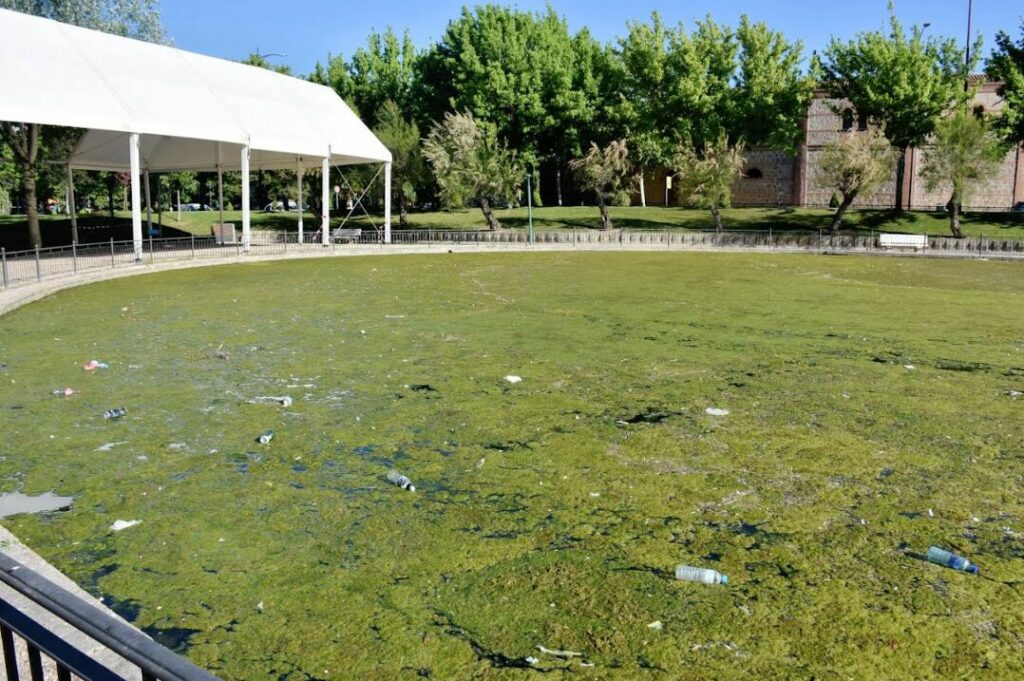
pixel 152 258
pixel 819 239
pixel 238 248
pixel 113 263
pixel 39 271
pixel 3 259
pixel 193 246
pixel 74 256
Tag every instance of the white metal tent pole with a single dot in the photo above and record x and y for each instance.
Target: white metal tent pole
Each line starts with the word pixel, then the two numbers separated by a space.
pixel 298 173
pixel 71 206
pixel 133 154
pixel 149 206
pixel 387 203
pixel 325 202
pixel 220 187
pixel 245 199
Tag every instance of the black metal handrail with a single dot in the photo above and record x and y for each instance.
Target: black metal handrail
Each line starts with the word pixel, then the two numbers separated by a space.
pixel 156 662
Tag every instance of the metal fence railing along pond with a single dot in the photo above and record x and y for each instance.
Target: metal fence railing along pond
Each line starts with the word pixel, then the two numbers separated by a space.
pixel 36 265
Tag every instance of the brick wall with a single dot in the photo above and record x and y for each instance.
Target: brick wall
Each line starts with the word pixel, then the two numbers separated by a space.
pixel 773 188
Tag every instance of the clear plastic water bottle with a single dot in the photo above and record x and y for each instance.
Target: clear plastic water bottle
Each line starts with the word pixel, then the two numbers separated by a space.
pixel 266 437
pixel 950 560
pixel 396 478
pixel 700 575
pixel 115 413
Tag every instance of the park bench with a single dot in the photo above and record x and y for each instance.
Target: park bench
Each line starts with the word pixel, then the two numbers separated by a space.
pixel 915 241
pixel 349 235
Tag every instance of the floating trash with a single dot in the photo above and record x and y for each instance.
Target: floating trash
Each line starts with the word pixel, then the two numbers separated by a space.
pixel 396 478
pixel 714 411
pixel 110 445
pixel 123 525
pixel 559 653
pixel 700 575
pixel 909 367
pixel 950 560
pixel 65 392
pixel 514 379
pixel 94 364
pixel 266 437
pixel 118 413
pixel 655 626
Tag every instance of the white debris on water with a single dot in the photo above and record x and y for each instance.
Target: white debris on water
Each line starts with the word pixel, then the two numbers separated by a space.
pixel 909 367
pixel 177 445
pixel 513 379
pixel 656 626
pixel 110 445
pixel 14 503
pixel 715 411
pixel 123 525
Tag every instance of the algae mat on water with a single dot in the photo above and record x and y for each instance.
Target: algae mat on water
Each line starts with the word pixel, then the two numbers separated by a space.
pixel 872 413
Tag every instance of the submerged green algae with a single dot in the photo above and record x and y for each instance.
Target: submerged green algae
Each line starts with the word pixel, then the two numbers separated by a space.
pixel 549 512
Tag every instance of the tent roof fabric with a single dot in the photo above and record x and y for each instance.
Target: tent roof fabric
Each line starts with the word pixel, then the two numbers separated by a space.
pixel 194 112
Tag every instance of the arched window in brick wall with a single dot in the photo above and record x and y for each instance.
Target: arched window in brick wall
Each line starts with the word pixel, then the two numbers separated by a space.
pixel 862 122
pixel 753 174
pixel 847 120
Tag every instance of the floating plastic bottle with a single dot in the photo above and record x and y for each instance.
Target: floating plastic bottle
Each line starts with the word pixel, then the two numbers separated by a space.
pixel 950 560
pixel 115 413
pixel 266 437
pixel 396 478
pixel 700 575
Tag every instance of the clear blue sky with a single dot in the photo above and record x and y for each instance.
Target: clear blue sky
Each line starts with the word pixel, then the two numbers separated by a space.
pixel 307 30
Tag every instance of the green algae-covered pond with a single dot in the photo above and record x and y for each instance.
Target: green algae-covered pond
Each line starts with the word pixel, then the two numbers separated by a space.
pixel 872 413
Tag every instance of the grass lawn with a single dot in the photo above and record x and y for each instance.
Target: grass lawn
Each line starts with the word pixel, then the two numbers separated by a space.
pixel 869 418
pixel 57 229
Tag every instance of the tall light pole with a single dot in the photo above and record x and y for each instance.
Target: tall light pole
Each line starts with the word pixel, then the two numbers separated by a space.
pixel 967 46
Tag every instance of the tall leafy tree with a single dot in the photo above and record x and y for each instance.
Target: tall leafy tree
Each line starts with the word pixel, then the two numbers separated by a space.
pixel 1007 65
pixel 135 18
pixel 470 162
pixel 402 137
pixel 963 154
pixel 606 173
pixel 853 165
pixel 382 71
pixel 899 80
pixel 257 59
pixel 514 71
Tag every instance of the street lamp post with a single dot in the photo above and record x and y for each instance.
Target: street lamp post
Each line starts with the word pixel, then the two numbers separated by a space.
pixel 529 207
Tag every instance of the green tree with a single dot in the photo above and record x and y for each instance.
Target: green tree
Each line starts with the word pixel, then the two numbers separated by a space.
pixel 856 164
pixel 402 137
pixel 771 92
pixel 135 18
pixel 964 153
pixel 706 177
pixel 902 82
pixel 1007 65
pixel 469 161
pixel 258 60
pixel 606 172
pixel 382 72
pixel 515 71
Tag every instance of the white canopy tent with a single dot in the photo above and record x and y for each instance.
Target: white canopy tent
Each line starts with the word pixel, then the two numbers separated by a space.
pixel 151 108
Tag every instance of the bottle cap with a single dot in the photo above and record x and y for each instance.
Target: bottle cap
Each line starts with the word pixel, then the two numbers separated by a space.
pixel 725 579
pixel 973 569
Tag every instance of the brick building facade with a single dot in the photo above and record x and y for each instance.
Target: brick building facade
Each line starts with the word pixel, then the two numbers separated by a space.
pixel 777 178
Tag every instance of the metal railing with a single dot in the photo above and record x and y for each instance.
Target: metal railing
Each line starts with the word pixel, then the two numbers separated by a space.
pixel 155 662
pixel 36 265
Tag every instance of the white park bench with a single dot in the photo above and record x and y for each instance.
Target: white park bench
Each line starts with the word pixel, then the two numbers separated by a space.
pixel 346 234
pixel 915 241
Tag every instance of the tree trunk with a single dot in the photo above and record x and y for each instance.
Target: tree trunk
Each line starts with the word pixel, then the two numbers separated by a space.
pixel 538 202
pixel 643 190
pixel 28 184
pixel 606 219
pixel 558 184
pixel 837 219
pixel 954 218
pixel 716 214
pixel 901 170
pixel 111 182
pixel 485 208
pixel 403 210
pixel 24 142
